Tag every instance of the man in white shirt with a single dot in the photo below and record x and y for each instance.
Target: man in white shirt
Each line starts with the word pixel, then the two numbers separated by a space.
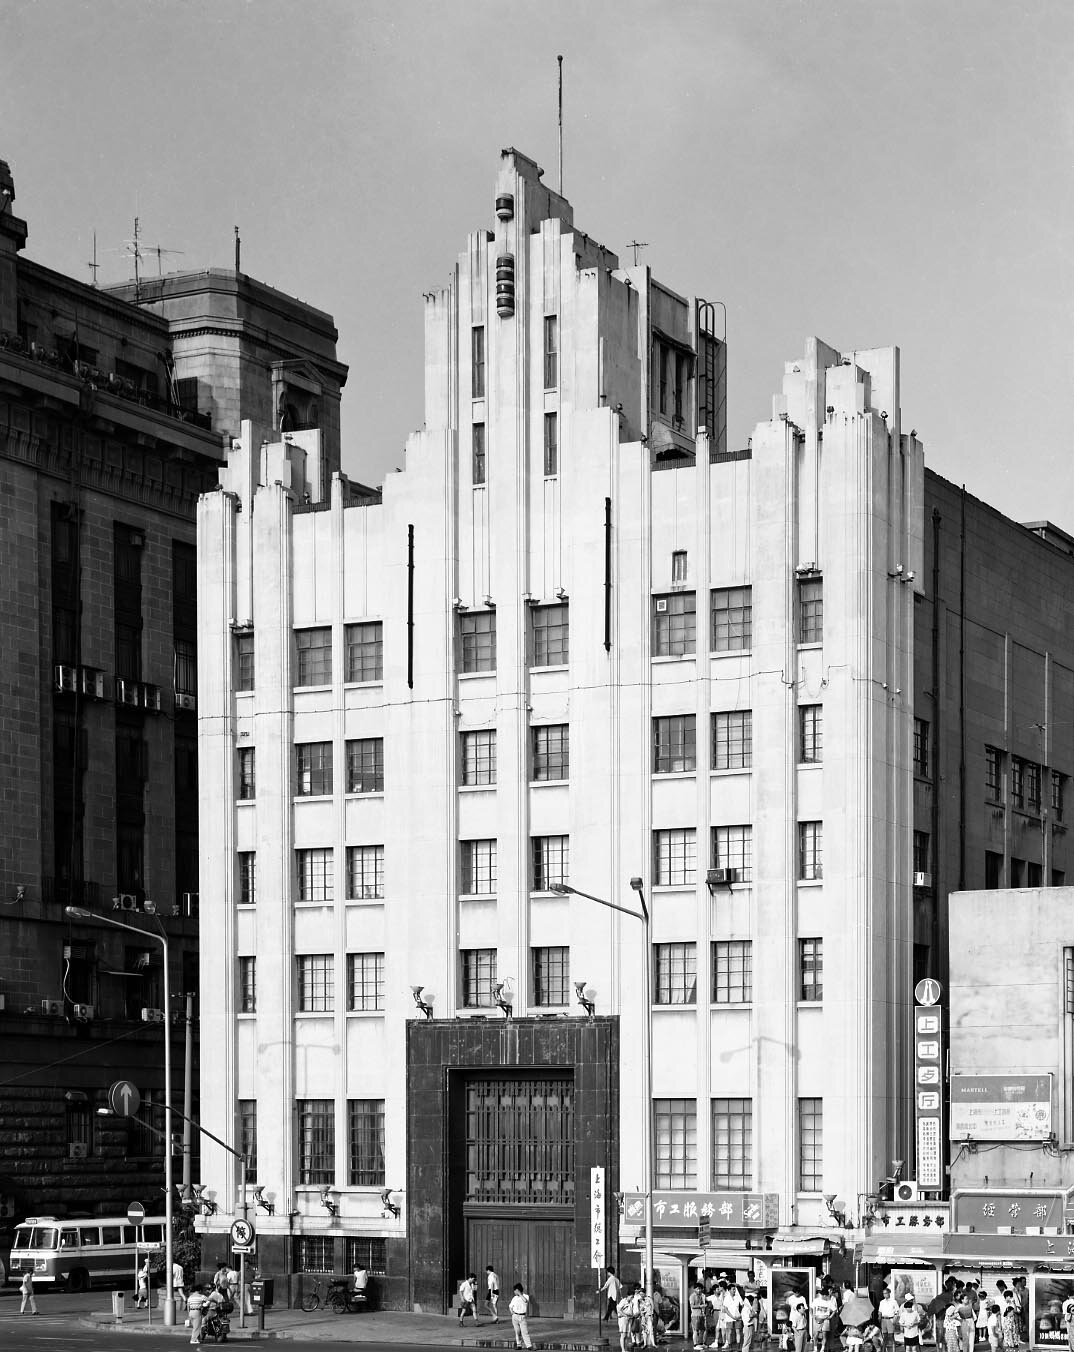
pixel 888 1310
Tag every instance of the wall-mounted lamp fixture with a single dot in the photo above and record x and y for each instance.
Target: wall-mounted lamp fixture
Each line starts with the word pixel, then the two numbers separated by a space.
pixel 426 1005
pixel 204 1198
pixel 561 594
pixel 457 603
pixel 490 603
pixel 837 1208
pixel 327 1201
pixel 388 1207
pixel 265 1200
pixel 890 1182
pixel 584 998
pixel 504 996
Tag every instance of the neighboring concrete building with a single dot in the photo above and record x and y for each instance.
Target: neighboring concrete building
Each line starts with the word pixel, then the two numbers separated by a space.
pixel 581 641
pixel 114 417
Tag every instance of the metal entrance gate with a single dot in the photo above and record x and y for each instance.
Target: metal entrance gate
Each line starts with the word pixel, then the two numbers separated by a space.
pixel 537 1253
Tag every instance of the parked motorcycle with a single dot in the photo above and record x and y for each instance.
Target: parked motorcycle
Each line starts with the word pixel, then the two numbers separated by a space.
pixel 215 1323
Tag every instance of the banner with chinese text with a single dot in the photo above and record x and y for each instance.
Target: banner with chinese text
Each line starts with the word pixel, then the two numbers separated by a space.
pixel 928 1095
pixel 1001 1107
pixel 724 1210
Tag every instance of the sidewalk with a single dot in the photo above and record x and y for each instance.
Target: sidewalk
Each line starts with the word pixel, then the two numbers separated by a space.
pixel 388 1326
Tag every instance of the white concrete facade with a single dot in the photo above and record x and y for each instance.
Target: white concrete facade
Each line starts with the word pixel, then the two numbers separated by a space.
pixel 832 492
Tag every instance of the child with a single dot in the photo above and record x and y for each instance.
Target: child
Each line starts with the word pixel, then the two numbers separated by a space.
pixel 520 1308
pixel 994 1328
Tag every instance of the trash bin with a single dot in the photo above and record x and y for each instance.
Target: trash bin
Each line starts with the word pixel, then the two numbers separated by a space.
pixel 118 1300
pixel 261 1292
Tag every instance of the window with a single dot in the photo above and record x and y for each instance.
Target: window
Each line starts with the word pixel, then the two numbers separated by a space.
pixel 676 973
pixel 186 666
pixel 244 660
pixel 317 1144
pixel 247 878
pixel 674 624
pixel 993 870
pixel 363 651
pixel 810 1145
pixel 1018 793
pixel 732 972
pixel 365 981
pixel 1032 780
pixel 313 769
pixel 1058 877
pixel 315 1253
pixel 810 610
pixel 551 352
pixel 478 867
pixel 313 657
pixel 732 619
pixel 663 360
pixel 1058 782
pixel 810 850
pixel 675 1138
pixel 247 1114
pixel 551 861
pixel 551 444
pixel 477 639
pixel 79 1130
pixel 1018 872
pixel 678 565
pixel 551 975
pixel 674 744
pixel 732 740
pixel 315 870
pixel 921 748
pixel 675 858
pixel 366 1164
pixel 365 872
pixel 810 969
pixel 810 734
pixel 550 635
pixel 551 752
pixel 1034 874
pixel 732 1144
pixel 477 361
pixel 365 765
pixel 479 757
pixel 478 977
pixel 732 847
pixel 993 774
pixel 247 773
pixel 366 1251
pixel 316 983
pixel 247 985
pixel 478 452
pixel 921 852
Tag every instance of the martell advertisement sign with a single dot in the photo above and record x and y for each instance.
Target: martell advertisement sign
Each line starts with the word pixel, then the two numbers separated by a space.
pixel 928 1084
pixel 1001 1107
pixel 723 1210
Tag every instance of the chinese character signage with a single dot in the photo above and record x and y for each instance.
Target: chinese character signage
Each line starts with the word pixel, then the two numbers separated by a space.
pixel 1057 1249
pixel 1001 1107
pixel 723 1210
pixel 596 1217
pixel 989 1212
pixel 928 1094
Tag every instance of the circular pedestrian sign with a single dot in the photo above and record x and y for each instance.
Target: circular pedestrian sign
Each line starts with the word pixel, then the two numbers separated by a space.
pixel 136 1213
pixel 124 1098
pixel 928 992
pixel 242 1233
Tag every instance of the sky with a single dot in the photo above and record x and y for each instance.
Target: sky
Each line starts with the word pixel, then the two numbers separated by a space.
pixel 869 173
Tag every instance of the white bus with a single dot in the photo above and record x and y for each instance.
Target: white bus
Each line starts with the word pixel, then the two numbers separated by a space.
pixel 75 1253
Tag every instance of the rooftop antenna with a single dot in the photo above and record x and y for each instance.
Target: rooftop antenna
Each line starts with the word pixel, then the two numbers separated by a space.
pixel 94 265
pixel 135 249
pixel 559 60
pixel 637 244
pixel 238 251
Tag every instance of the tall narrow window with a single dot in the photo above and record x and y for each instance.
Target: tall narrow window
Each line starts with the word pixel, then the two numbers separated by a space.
pixel 551 975
pixel 551 352
pixel 732 972
pixel 810 850
pixel 1018 782
pixel 993 870
pixel 551 861
pixel 185 663
pixel 675 1138
pixel 1033 787
pixel 477 361
pixel 316 983
pixel 315 880
pixel 676 974
pixel 732 848
pixel 550 635
pixel 810 733
pixel 363 646
pixel 1058 784
pixel 247 1114
pixel 477 641
pixel 551 444
pixel 551 751
pixel 921 852
pixel 810 969
pixel 478 448
pixel 810 610
pixel 365 981
pixel 366 1169
pixel 732 1144
pixel 732 740
pixel 313 769
pixel 313 656
pixel 365 872
pixel 675 857
pixel 365 765
pixel 678 565
pixel 479 757
pixel 993 774
pixel 244 659
pixel 478 867
pixel 732 619
pixel 674 744
pixel 316 1141
pixel 810 1145
pixel 247 777
pixel 921 748
pixel 248 985
pixel 247 878
pixel 674 624
pixel 478 977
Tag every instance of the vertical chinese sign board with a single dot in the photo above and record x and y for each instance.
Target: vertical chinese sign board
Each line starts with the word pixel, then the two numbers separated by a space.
pixel 928 1084
pixel 596 1217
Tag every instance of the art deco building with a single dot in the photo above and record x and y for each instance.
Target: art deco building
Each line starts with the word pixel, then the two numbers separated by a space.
pixel 581 641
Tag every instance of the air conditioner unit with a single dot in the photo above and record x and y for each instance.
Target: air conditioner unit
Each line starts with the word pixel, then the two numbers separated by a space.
pixel 907 1191
pixel 53 1008
pixel 185 701
pixel 723 875
pixel 126 901
pixel 67 679
pixel 152 1016
pixel 151 698
pixel 92 682
pixel 77 1150
pixel 922 879
pixel 661 605
pixel 128 692
pixel 83 1013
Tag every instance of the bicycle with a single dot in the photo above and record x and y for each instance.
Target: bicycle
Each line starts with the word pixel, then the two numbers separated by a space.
pixel 335 1294
pixel 316 1297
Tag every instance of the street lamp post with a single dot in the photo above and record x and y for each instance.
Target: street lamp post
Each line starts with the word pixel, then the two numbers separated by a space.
pixel 647 1138
pixel 79 913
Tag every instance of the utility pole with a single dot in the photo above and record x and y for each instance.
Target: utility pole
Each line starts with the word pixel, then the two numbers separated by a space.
pixel 188 1084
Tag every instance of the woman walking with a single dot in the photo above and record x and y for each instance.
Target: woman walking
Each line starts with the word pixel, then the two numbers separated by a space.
pixel 1011 1329
pixel 520 1308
